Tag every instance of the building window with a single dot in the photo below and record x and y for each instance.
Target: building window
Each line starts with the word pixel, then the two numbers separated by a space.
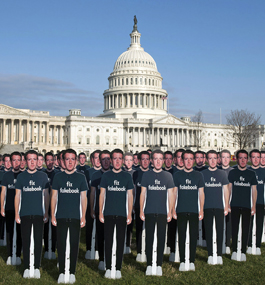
pixel 97 140
pixel 114 141
pixel 141 81
pixel 107 130
pixel 88 141
pixel 215 143
pixel 97 130
pixel 79 140
pixel 145 81
pixel 127 81
pixel 136 81
pixel 42 139
pixel 115 131
pixel 131 81
pixel 122 81
pixel 88 129
pixel 35 139
pixel 209 143
pixel 107 141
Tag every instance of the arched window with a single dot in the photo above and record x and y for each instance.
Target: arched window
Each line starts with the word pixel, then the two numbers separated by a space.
pixel 97 140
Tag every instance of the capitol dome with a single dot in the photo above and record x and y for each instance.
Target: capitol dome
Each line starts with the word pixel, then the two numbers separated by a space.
pixel 135 85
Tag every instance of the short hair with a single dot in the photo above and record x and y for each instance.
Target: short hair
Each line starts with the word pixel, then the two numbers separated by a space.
pixel 179 150
pixel 116 150
pixel 157 151
pixel 262 151
pixel 15 153
pixel 136 153
pixel 149 149
pixel 211 151
pixel 241 151
pixel 61 153
pixel 48 154
pixel 81 153
pixel 128 154
pixel 144 152
pixel 69 150
pixel 40 154
pixel 94 152
pixel 199 152
pixel 31 151
pixel 254 150
pixel 105 151
pixel 225 151
pixel 1 156
pixel 168 152
pixel 23 155
pixel 6 155
pixel 188 151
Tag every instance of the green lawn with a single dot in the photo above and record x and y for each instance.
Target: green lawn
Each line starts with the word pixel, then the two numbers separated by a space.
pixel 232 272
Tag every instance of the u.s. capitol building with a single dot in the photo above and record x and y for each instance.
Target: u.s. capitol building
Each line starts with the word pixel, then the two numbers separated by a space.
pixel 135 117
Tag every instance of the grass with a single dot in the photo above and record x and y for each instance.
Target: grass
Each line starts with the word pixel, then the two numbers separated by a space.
pixel 232 272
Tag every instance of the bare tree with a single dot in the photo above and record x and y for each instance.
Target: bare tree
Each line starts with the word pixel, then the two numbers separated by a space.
pixel 197 120
pixel 243 127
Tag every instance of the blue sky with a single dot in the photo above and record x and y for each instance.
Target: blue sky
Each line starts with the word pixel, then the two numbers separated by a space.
pixel 57 55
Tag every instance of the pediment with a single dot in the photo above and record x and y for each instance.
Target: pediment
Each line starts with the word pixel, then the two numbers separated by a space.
pixel 169 120
pixel 6 110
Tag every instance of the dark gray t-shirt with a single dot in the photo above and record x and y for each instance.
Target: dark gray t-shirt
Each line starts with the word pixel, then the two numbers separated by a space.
pixel 82 169
pixel 260 175
pixel 137 179
pixel 116 185
pixel 157 185
pixel 227 170
pixel 241 180
pixel 32 186
pixel 188 184
pixel 69 187
pixel 88 174
pixel 213 189
pixel 9 181
pixel 95 182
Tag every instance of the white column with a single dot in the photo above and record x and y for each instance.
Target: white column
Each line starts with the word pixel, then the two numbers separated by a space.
pixel 32 130
pixel 133 136
pixel 4 130
pixel 39 134
pixel 144 137
pixel 47 132
pixel 61 135
pixel 12 131
pixel 20 138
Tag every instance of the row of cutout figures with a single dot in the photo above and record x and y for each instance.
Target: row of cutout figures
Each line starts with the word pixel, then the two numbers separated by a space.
pixel 94 254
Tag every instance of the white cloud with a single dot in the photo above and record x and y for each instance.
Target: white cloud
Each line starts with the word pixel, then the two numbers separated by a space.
pixel 41 93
